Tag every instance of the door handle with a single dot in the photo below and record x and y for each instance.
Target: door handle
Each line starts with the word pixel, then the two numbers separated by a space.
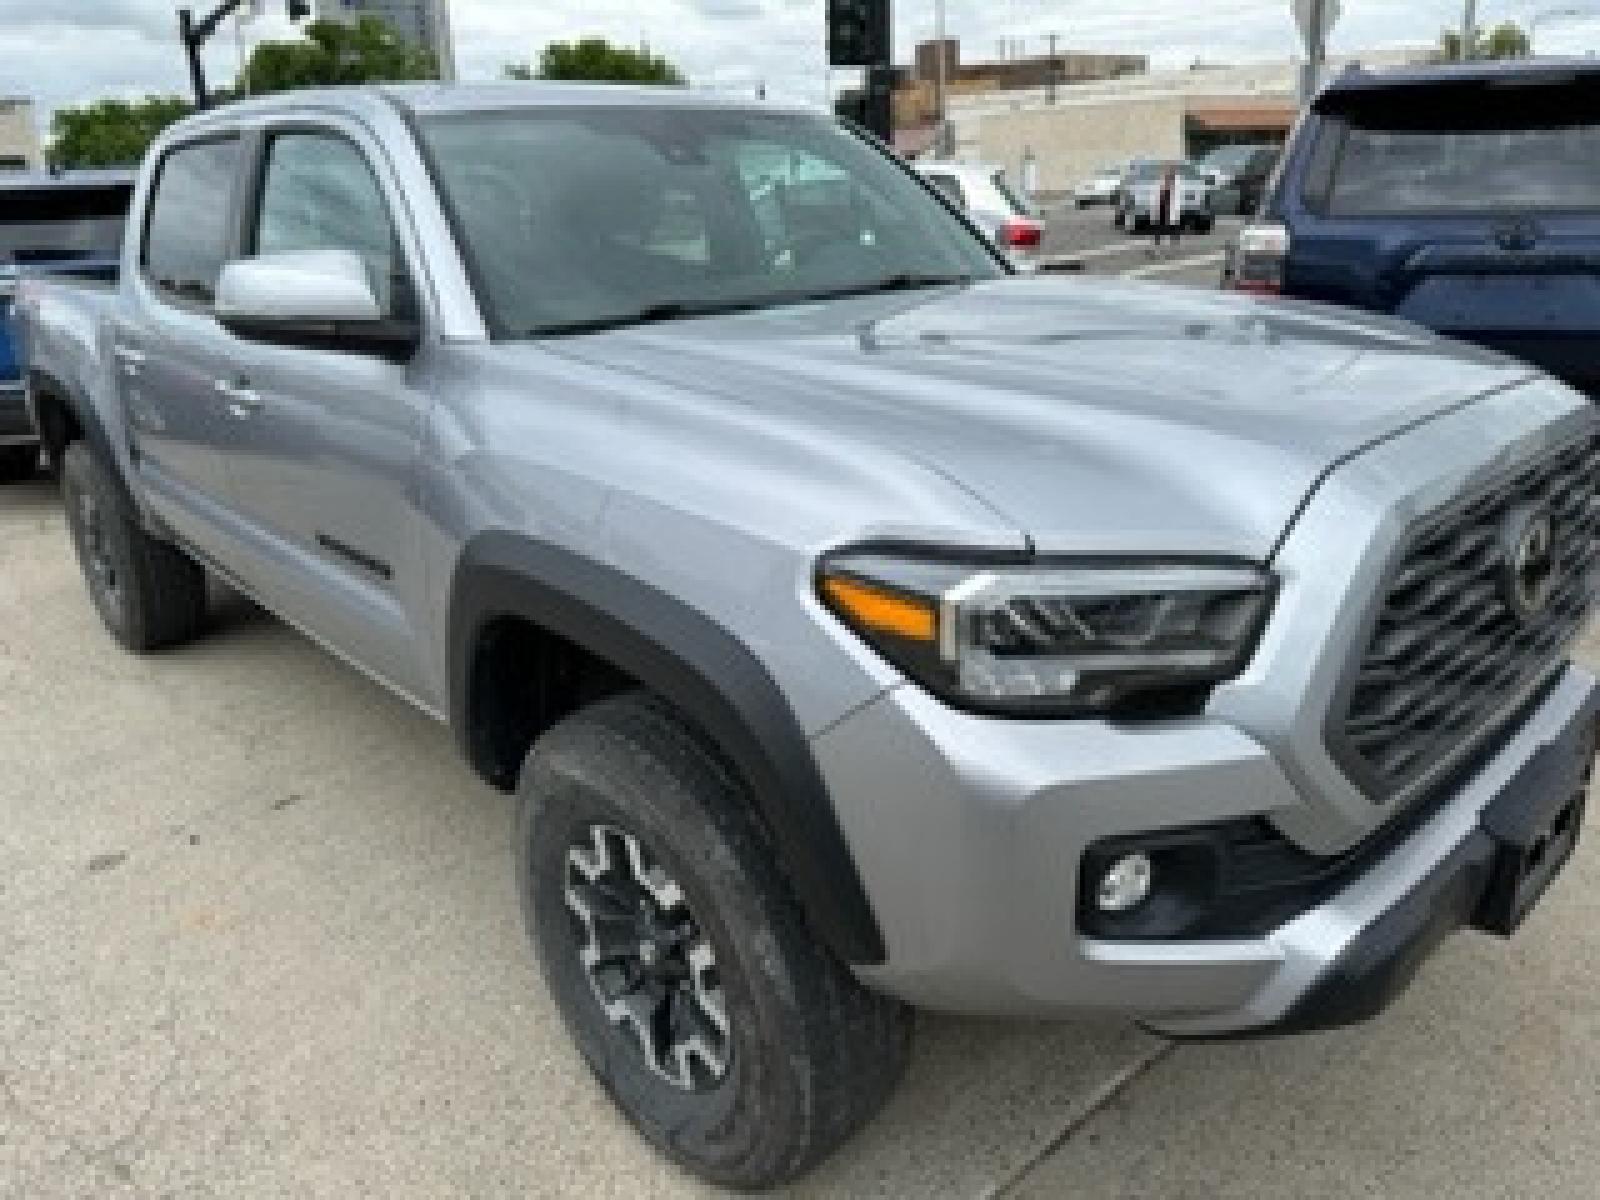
pixel 242 402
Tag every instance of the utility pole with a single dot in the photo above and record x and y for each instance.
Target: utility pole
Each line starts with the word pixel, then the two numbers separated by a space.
pixel 940 144
pixel 1314 17
pixel 1055 69
pixel 195 34
pixel 1469 31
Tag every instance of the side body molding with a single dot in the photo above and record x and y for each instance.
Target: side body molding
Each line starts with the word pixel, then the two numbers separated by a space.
pixel 699 667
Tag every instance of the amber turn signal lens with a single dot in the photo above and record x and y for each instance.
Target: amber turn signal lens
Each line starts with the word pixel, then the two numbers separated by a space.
pixel 871 608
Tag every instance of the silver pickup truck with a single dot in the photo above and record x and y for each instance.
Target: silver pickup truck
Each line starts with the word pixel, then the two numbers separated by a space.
pixel 860 626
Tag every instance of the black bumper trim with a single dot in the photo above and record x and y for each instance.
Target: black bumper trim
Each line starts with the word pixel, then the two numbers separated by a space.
pixel 1489 881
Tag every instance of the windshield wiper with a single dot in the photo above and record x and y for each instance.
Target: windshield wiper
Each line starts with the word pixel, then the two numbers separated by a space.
pixel 904 282
pixel 647 315
pixel 676 310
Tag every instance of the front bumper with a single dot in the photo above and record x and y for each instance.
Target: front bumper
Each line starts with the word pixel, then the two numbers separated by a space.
pixel 969 832
pixel 16 427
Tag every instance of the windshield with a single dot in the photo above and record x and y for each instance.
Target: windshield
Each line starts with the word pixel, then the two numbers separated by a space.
pixel 40 225
pixel 574 217
pixel 1395 171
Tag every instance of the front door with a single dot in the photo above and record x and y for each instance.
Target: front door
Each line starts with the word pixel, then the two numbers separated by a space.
pixel 323 470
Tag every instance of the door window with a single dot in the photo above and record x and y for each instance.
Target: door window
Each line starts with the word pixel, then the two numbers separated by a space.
pixel 189 232
pixel 320 194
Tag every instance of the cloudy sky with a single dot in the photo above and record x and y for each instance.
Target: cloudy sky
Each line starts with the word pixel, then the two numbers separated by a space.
pixel 68 51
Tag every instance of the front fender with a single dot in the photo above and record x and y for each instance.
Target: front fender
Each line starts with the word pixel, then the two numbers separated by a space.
pixel 699 667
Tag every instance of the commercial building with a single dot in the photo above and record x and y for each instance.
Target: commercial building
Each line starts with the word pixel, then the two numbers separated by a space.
pixel 425 22
pixel 916 96
pixel 20 149
pixel 1070 127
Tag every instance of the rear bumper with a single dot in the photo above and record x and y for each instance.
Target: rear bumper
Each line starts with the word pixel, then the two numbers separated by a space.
pixel 16 427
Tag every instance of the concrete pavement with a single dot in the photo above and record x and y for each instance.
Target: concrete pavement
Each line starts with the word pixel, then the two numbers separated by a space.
pixel 260 939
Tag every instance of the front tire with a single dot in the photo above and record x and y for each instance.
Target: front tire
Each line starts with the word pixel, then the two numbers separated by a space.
pixel 149 594
pixel 679 958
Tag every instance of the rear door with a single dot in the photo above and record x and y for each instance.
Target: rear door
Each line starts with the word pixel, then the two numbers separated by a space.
pixel 169 350
pixel 1475 212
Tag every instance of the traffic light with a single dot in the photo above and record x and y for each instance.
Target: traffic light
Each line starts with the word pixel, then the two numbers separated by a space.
pixel 859 33
pixel 299 10
pixel 872 104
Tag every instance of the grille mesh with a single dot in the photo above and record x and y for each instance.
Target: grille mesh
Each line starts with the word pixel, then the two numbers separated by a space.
pixel 1449 655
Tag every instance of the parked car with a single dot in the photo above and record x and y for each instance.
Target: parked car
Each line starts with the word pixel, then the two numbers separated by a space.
pixel 857 623
pixel 1100 188
pixel 70 224
pixel 1238 175
pixel 1465 198
pixel 1007 215
pixel 1140 197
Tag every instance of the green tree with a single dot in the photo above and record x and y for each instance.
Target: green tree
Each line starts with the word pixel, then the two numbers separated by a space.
pixel 332 53
pixel 1506 40
pixel 596 59
pixel 110 133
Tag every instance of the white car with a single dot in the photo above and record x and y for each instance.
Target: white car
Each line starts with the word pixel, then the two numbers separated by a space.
pixel 1004 213
pixel 1140 198
pixel 1100 188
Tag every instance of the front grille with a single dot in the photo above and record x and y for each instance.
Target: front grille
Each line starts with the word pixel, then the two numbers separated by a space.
pixel 1450 656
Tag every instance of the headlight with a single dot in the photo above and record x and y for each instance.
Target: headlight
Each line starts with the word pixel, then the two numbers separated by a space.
pixel 1053 639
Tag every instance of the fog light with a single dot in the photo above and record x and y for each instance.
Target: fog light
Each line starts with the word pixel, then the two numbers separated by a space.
pixel 1126 884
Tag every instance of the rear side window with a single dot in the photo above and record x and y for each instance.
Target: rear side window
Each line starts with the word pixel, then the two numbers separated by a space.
pixel 189 232
pixel 1383 171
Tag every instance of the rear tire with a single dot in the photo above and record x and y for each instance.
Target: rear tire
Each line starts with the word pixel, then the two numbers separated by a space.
pixel 655 904
pixel 18 463
pixel 148 593
pixel 1204 225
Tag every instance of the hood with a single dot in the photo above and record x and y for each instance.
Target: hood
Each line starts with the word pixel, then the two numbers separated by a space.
pixel 1094 415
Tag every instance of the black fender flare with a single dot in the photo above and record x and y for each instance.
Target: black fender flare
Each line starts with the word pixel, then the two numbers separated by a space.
pixel 86 416
pixel 699 667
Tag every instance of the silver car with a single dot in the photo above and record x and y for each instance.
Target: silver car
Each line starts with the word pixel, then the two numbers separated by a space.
pixel 1101 187
pixel 1139 201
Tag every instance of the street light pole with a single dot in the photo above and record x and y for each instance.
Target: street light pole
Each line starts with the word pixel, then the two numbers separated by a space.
pixel 1469 31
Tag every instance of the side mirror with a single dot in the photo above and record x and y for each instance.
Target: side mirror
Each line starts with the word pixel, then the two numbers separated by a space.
pixel 313 299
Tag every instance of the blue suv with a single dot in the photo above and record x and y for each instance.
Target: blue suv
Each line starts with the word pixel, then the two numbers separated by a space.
pixel 63 224
pixel 1463 197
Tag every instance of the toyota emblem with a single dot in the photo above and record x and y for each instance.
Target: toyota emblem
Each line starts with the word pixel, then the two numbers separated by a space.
pixel 1529 572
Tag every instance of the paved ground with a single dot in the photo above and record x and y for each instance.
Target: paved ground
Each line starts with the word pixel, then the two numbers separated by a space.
pixel 1087 240
pixel 259 940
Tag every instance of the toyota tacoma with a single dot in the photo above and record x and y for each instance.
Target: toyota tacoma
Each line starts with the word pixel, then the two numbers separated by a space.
pixel 859 625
